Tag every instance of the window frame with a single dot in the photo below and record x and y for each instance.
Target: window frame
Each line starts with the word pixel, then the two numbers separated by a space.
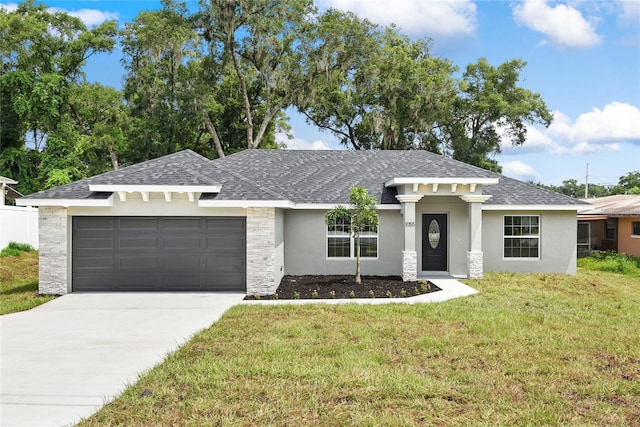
pixel 635 229
pixel 506 237
pixel 352 243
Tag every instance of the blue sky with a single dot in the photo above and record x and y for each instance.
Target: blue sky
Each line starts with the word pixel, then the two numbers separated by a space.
pixel 583 58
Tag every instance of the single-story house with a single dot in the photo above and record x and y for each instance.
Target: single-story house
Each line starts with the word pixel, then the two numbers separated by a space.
pixel 610 223
pixel 239 223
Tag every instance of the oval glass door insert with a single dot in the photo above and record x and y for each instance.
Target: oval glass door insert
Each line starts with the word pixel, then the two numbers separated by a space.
pixel 434 234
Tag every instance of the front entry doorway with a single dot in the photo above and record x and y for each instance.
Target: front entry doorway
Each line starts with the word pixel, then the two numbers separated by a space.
pixel 434 242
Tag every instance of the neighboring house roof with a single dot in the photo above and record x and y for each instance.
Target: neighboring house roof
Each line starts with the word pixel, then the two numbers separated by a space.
pixel 303 177
pixel 613 206
pixel 9 181
pixel 9 193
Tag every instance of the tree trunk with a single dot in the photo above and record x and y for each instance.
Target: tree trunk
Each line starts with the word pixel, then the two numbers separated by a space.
pixel 358 278
pixel 114 157
pixel 214 134
pixel 245 95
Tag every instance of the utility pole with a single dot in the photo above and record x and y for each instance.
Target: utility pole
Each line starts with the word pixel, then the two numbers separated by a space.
pixel 586 183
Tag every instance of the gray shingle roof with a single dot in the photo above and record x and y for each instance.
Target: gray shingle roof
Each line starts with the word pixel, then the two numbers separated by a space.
pixel 327 176
pixel 305 176
pixel 509 191
pixel 175 169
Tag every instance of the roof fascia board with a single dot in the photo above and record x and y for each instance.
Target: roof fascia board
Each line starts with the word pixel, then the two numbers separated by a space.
pixel 245 204
pixel 393 182
pixel 486 207
pixel 328 206
pixel 155 188
pixel 66 202
pixel 286 204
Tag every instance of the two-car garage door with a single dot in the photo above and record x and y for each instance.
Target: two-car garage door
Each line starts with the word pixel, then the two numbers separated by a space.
pixel 158 254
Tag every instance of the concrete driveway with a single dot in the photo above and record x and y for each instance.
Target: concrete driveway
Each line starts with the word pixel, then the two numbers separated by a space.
pixel 62 361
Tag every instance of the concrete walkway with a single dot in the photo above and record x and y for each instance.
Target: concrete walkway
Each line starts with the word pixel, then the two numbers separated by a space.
pixel 63 360
pixel 450 288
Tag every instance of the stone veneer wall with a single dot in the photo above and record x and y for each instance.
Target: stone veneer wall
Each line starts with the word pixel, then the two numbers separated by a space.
pixel 474 264
pixel 261 251
pixel 53 250
pixel 409 266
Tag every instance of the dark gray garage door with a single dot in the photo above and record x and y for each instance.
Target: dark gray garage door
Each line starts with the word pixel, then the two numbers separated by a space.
pixel 158 254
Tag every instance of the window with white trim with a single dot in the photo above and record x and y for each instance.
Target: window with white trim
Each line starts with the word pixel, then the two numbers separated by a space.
pixel 522 236
pixel 635 226
pixel 341 244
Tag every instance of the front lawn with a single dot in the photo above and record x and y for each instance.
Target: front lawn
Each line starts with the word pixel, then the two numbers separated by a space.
pixel 538 349
pixel 19 282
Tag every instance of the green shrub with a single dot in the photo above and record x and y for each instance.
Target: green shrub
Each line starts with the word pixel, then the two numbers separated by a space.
pixel 611 262
pixel 15 249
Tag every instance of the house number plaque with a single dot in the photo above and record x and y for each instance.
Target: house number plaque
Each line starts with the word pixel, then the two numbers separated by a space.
pixel 410 224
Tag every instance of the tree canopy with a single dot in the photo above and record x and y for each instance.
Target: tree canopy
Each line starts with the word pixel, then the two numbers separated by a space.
pixel 220 80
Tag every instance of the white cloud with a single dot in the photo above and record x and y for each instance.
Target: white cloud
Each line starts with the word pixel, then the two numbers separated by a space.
pixel 616 122
pixel 563 24
pixel 537 140
pixel 519 170
pixel 299 143
pixel 9 7
pixel 89 17
pixel 92 17
pixel 425 18
pixel 629 11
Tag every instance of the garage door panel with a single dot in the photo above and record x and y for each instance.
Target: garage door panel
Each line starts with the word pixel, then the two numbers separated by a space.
pixel 183 224
pixel 138 242
pixel 159 254
pixel 95 223
pixel 94 263
pixel 137 262
pixel 138 224
pixel 94 243
pixel 182 242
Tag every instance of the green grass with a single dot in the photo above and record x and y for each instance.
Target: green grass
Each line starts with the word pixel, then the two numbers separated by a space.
pixel 19 283
pixel 538 349
pixel 14 249
pixel 612 262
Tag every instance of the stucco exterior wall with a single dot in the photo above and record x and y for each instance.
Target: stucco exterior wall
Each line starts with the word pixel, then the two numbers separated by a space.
pixel 279 246
pixel 558 243
pixel 306 248
pixel 156 206
pixel 457 212
pixel 627 242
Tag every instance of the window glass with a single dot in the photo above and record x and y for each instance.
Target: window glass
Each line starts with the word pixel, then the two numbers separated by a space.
pixel 636 228
pixel 340 243
pixel 521 236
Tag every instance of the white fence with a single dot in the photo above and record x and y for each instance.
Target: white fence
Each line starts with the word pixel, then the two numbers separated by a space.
pixel 18 224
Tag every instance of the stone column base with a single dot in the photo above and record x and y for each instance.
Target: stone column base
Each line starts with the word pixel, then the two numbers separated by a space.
pixel 409 266
pixel 474 264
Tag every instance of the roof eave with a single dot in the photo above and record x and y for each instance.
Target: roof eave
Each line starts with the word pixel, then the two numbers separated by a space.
pixel 394 182
pixel 115 188
pixel 65 203
pixel 503 207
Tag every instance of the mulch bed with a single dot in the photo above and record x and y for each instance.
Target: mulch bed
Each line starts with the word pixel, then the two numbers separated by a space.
pixel 344 287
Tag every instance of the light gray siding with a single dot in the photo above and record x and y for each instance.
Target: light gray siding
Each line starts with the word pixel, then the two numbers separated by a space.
pixel 558 231
pixel 279 246
pixel 306 248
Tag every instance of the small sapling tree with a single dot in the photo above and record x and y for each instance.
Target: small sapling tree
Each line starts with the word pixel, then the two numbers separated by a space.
pixel 361 216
